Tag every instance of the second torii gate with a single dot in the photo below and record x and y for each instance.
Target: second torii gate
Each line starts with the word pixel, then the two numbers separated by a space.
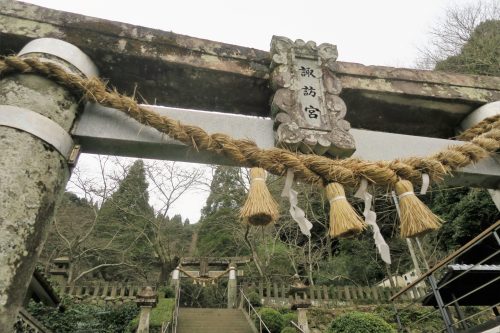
pixel 206 272
pixel 406 112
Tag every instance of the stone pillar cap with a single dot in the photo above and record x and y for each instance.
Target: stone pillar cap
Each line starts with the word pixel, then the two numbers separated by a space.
pixel 147 297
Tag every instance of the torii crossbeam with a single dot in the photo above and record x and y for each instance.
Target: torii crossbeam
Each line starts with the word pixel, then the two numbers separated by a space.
pixel 394 112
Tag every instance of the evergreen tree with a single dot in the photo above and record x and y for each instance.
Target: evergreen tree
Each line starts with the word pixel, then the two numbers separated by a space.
pixel 220 216
pixel 481 53
pixel 124 218
pixel 176 220
pixel 172 240
pixel 467 212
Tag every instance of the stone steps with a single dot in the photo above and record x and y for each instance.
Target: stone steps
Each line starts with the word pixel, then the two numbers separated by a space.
pixel 202 320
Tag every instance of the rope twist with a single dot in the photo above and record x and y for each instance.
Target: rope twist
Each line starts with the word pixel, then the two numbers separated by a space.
pixel 483 139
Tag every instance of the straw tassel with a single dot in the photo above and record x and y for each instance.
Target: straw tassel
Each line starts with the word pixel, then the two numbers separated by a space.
pixel 416 218
pixel 344 221
pixel 260 208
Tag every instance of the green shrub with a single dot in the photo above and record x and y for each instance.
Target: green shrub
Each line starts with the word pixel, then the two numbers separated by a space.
pixel 288 317
pixel 254 299
pixel 283 310
pixel 432 323
pixel 359 322
pixel 84 317
pixel 272 318
pixel 166 292
pixel 289 330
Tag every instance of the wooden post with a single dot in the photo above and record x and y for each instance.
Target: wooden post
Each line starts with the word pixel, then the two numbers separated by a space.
pixel 325 293
pixel 375 294
pixel 283 291
pixel 302 319
pixel 97 288
pixel 113 290
pixel 347 294
pixel 105 290
pixel 275 290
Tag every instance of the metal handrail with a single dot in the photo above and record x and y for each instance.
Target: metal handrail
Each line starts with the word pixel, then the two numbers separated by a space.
pixel 165 327
pixel 30 323
pixel 297 326
pixel 474 315
pixel 442 305
pixel 453 279
pixel 475 241
pixel 251 308
pixel 469 269
pixel 175 312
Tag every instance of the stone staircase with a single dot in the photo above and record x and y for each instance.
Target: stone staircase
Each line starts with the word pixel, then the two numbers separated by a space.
pixel 192 320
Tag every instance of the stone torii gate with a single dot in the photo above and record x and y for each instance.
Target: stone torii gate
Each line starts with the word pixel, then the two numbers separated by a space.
pixel 406 112
pixel 209 268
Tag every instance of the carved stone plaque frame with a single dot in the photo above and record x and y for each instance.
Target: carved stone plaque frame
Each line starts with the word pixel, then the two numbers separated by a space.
pixel 308 112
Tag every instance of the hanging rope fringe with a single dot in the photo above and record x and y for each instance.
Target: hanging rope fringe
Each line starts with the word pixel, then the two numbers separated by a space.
pixel 344 221
pixel 296 212
pixel 204 280
pixel 483 141
pixel 416 218
pixel 484 138
pixel 371 220
pixel 260 208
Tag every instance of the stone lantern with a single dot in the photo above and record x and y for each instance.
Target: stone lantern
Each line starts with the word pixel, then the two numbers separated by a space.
pixel 299 292
pixel 146 299
pixel 60 270
pixel 300 301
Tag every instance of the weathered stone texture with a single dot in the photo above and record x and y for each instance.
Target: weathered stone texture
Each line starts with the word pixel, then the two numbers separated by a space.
pixel 309 114
pixel 33 175
pixel 176 70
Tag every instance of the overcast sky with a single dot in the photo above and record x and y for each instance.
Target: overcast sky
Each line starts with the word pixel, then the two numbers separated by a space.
pixel 371 32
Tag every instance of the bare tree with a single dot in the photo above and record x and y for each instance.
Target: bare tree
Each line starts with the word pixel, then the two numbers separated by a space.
pixel 454 29
pixel 281 249
pixel 169 181
pixel 76 231
pixel 73 228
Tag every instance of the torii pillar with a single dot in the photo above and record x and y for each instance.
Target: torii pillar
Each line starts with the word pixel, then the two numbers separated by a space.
pixel 175 280
pixel 232 288
pixel 36 115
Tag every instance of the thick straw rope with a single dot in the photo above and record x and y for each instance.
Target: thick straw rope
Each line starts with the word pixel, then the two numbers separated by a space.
pixel 204 279
pixel 484 139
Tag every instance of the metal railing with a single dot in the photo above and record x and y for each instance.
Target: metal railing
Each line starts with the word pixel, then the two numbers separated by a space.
pixel 252 312
pixel 455 295
pixel 26 323
pixel 175 311
pixel 297 326
pixel 165 327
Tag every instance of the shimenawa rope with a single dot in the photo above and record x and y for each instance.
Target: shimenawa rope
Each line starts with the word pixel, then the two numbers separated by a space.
pixel 484 140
